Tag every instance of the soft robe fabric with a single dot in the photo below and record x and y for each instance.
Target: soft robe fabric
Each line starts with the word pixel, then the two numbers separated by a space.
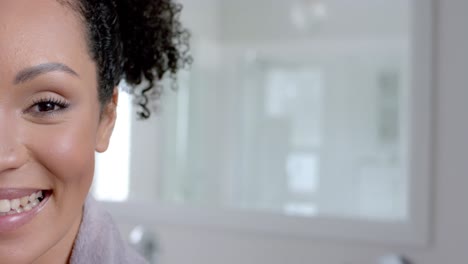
pixel 99 240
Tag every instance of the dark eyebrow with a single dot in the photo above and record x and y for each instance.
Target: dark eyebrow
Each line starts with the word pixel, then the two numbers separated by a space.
pixel 32 72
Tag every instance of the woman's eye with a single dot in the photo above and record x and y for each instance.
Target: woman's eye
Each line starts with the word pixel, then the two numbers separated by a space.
pixel 47 107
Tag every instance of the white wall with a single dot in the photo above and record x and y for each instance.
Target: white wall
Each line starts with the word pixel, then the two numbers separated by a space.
pixel 449 225
pixel 348 18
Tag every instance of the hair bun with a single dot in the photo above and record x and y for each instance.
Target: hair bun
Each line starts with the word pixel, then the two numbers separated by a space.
pixel 154 43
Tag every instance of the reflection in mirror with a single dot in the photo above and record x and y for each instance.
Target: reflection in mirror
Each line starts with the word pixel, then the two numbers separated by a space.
pixel 302 110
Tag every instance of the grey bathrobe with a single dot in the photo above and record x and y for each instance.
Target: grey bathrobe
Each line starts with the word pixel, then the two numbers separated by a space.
pixel 99 240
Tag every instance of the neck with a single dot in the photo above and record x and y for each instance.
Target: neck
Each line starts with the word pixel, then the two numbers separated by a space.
pixel 60 253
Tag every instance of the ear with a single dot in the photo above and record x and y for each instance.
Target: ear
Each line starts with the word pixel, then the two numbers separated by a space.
pixel 107 122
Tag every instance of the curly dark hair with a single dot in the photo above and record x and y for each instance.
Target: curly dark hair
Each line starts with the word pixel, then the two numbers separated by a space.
pixel 135 41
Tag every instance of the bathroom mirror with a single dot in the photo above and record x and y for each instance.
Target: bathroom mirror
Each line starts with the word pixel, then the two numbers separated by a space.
pixel 298 114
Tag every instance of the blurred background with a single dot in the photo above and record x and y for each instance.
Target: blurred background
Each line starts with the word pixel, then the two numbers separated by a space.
pixel 306 131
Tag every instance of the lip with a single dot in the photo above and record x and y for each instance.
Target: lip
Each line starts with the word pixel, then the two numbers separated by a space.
pixel 9 223
pixel 11 194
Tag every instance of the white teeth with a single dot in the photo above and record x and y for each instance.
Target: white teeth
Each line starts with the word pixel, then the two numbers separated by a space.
pixel 15 204
pixel 19 205
pixel 34 203
pixel 32 197
pixel 5 206
pixel 24 201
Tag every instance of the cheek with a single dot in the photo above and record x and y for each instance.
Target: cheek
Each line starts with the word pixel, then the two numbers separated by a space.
pixel 66 151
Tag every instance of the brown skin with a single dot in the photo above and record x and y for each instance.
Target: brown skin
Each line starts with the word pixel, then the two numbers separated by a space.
pixel 52 149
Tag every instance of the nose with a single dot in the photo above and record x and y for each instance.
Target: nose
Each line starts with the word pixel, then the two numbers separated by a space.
pixel 10 158
pixel 13 154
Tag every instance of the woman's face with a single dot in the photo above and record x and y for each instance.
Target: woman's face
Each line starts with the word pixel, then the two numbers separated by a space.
pixel 50 127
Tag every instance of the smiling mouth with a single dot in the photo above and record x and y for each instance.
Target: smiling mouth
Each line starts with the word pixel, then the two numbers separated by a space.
pixel 22 204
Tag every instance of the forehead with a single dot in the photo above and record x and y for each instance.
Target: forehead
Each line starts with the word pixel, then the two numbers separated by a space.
pixel 39 31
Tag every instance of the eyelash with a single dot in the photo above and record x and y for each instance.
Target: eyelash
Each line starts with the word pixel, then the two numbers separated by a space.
pixel 55 102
